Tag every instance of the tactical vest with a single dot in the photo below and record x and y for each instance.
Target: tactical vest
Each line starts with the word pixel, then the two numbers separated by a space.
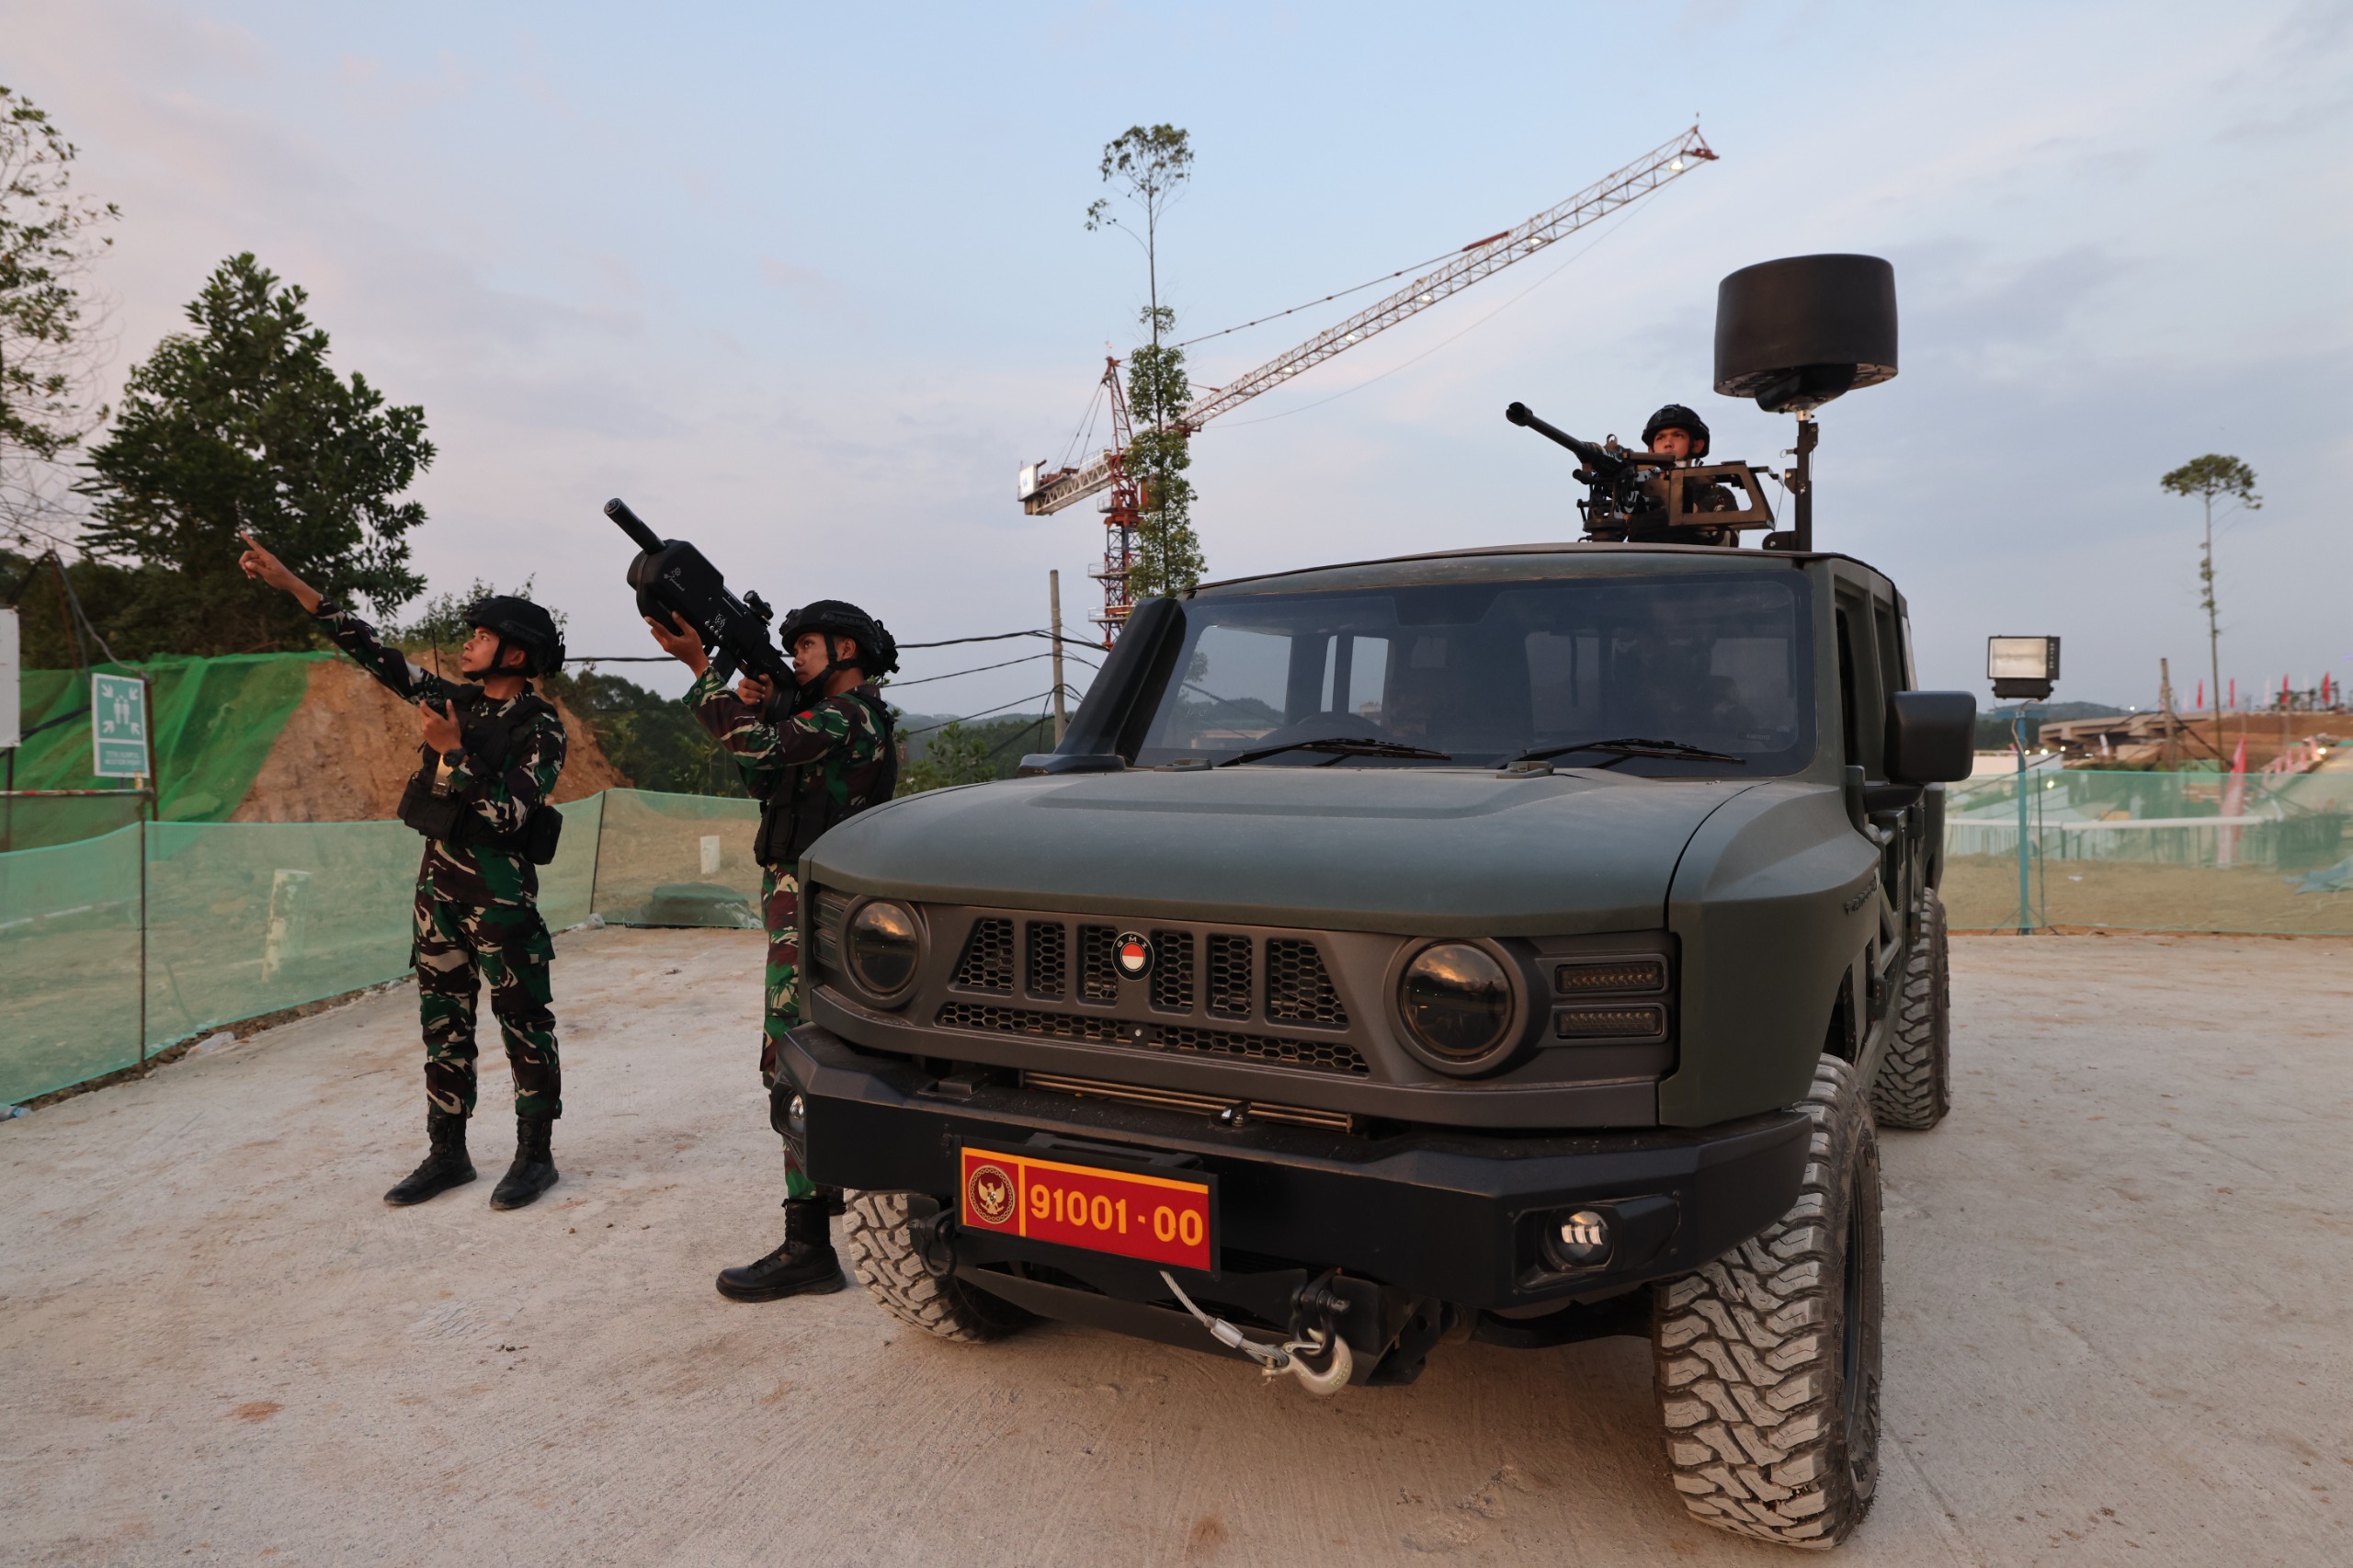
pixel 449 817
pixel 792 818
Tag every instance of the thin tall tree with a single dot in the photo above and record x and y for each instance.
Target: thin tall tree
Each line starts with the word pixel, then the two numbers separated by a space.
pixel 1151 167
pixel 2211 479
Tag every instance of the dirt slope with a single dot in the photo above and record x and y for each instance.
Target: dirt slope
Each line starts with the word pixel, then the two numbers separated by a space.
pixel 347 750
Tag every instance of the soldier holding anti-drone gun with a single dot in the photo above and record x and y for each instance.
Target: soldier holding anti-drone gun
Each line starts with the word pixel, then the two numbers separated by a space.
pixel 810 734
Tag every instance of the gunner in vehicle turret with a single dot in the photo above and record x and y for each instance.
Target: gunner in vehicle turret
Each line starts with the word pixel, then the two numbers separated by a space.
pixel 1679 434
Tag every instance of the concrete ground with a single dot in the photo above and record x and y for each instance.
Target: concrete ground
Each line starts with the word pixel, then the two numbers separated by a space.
pixel 2117 1322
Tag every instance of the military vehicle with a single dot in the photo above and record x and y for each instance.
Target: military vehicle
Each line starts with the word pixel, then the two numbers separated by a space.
pixel 1514 945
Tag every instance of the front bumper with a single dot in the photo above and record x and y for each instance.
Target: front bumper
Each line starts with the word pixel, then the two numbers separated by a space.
pixel 1442 1214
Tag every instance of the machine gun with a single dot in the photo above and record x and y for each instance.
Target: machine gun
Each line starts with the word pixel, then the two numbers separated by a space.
pixel 1651 498
pixel 676 583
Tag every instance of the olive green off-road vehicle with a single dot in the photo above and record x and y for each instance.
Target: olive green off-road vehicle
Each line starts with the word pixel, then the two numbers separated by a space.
pixel 1515 945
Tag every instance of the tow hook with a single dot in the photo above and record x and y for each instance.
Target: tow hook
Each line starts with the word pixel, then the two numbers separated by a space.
pixel 1298 1357
pixel 933 1237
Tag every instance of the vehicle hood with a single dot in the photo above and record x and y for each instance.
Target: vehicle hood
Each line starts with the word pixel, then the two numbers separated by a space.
pixel 1407 851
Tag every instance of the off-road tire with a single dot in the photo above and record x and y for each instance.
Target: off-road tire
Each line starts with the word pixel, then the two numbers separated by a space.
pixel 882 1255
pixel 1913 1087
pixel 1768 1360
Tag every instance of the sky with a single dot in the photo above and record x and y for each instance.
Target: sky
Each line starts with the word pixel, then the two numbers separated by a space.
pixel 807 284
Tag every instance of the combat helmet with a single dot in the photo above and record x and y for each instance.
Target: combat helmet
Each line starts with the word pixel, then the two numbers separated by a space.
pixel 1676 416
pixel 512 619
pixel 878 651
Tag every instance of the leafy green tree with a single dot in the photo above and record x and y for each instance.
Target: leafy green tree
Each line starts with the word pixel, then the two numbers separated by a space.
pixel 2211 479
pixel 951 756
pixel 49 240
pixel 440 624
pixel 243 424
pixel 652 739
pixel 1151 167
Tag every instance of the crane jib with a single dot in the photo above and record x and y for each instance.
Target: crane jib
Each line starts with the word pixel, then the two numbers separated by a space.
pixel 1478 260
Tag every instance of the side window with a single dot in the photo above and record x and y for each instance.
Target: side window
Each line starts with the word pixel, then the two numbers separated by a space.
pixel 1891 648
pixel 1847 694
pixel 1860 686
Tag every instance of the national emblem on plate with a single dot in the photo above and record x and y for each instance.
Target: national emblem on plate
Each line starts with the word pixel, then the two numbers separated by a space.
pixel 990 1194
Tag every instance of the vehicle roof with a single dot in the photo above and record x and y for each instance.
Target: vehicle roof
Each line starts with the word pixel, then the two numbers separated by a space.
pixel 1428 566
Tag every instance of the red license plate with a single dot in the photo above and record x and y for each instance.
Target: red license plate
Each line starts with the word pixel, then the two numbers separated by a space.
pixel 1157 1219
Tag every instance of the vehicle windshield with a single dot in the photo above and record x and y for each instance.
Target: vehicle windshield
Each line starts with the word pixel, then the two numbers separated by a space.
pixel 1484 671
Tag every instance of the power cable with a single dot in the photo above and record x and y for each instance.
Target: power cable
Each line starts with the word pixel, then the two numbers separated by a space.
pixel 976 669
pixel 968 717
pixel 944 643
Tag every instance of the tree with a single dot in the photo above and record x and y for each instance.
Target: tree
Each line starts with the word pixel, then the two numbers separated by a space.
pixel 243 424
pixel 952 757
pixel 2211 478
pixel 1152 166
pixel 49 240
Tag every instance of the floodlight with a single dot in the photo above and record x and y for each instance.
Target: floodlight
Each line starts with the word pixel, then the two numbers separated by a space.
pixel 2022 667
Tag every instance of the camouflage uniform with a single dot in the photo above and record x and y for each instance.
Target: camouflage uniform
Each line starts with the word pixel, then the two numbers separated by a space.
pixel 831 751
pixel 477 915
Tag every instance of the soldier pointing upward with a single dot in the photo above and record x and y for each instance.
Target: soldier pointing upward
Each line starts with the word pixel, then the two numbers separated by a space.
pixel 490 758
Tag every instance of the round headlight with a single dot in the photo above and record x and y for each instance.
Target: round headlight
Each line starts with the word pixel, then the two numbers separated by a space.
pixel 1457 1001
pixel 884 943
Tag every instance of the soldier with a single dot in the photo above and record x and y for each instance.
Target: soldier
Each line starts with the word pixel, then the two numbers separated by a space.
pixel 821 755
pixel 491 754
pixel 1678 433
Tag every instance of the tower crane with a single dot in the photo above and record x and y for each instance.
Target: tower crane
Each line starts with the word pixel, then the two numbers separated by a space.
pixel 1043 490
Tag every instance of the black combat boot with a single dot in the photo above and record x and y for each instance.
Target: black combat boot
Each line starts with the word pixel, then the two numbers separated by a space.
pixel 803 1266
pixel 533 1171
pixel 445 1167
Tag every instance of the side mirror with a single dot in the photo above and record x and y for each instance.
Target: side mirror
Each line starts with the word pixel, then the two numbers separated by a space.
pixel 1931 736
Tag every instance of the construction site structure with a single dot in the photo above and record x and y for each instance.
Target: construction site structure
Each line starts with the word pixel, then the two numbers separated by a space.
pixel 1044 490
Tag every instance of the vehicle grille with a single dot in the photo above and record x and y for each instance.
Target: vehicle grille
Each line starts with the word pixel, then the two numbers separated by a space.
pixel 987 963
pixel 1097 981
pixel 1023 1020
pixel 1324 1055
pixel 1200 1105
pixel 1048 965
pixel 1297 991
pixel 1315 1055
pixel 1229 975
pixel 1172 978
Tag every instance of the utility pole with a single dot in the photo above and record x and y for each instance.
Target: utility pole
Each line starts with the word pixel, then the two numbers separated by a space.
pixel 1054 615
pixel 2164 702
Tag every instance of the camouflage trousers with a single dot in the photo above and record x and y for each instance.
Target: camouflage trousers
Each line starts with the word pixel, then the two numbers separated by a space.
pixel 780 916
pixel 457 947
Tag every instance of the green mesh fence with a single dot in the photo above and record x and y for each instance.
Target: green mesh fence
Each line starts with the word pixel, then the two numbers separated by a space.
pixel 226 921
pixel 2154 852
pixel 69 963
pixel 212 723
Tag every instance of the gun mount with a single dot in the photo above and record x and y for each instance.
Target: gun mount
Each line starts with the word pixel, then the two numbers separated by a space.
pixel 1652 498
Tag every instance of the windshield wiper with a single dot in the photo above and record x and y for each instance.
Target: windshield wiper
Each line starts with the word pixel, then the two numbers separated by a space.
pixel 1632 746
pixel 1340 746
